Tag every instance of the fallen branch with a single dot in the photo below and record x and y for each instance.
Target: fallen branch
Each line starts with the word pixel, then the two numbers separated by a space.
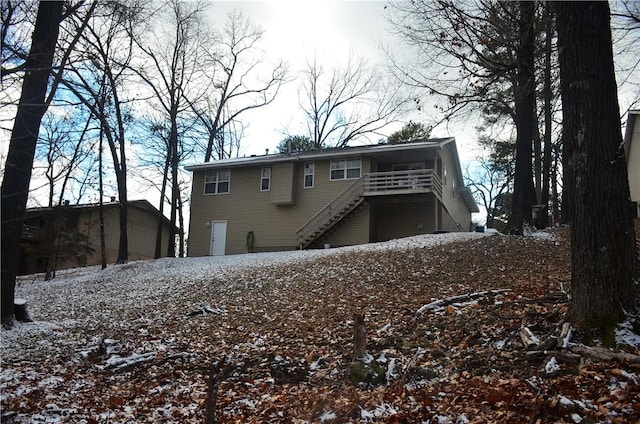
pixel 528 338
pixel 206 309
pixel 118 363
pixel 564 351
pixel 456 299
pixel 603 354
pixel 560 355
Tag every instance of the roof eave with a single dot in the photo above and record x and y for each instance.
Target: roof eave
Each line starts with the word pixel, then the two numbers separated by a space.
pixel 306 156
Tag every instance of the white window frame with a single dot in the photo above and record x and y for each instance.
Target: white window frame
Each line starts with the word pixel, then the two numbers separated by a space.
pixel 267 177
pixel 219 179
pixel 309 172
pixel 345 165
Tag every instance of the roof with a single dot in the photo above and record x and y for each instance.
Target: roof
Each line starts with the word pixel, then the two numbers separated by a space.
pixel 255 160
pixel 140 204
pixel 342 152
pixel 628 133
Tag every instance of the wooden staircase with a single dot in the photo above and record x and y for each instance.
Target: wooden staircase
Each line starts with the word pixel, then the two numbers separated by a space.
pixel 332 214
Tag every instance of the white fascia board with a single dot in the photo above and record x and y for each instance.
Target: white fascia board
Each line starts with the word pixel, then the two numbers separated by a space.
pixel 323 154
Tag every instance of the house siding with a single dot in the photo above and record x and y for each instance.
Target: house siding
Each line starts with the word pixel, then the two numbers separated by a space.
pixel 456 215
pixel 283 184
pixel 246 208
pixel 141 232
pixel 633 164
pixel 274 216
pixel 403 219
pixel 355 229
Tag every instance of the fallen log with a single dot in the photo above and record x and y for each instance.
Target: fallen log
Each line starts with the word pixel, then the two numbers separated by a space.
pixel 560 355
pixel 459 298
pixel 603 354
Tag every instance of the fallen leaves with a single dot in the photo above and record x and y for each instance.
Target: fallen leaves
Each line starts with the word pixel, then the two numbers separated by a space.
pixel 283 338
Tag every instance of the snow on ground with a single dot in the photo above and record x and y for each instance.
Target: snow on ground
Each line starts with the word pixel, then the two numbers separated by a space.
pixel 143 283
pixel 133 338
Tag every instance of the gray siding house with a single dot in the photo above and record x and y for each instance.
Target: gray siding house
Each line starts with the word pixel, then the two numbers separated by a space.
pixel 332 197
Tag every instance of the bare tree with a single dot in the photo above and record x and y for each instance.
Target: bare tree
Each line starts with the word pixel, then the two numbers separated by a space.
pixel 472 57
pixel 67 154
pixel 174 49
pixel 15 184
pixel 461 55
pixel 97 78
pixel 625 26
pixel 349 102
pixel 17 24
pixel 491 179
pixel 240 80
pixel 603 251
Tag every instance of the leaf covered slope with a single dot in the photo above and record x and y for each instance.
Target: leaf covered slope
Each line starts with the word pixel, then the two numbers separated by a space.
pixel 135 343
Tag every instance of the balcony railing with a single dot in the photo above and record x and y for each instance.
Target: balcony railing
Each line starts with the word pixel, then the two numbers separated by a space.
pixel 402 182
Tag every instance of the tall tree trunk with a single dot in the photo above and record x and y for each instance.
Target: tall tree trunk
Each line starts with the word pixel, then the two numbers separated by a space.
pixel 524 194
pixel 603 251
pixel 103 243
pixel 555 198
pixel 175 190
pixel 163 190
pixel 22 146
pixel 547 95
pixel 181 228
pixel 121 175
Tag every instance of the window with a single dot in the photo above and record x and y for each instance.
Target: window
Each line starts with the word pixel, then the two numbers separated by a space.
pixel 265 179
pixel 345 169
pixel 216 182
pixel 308 174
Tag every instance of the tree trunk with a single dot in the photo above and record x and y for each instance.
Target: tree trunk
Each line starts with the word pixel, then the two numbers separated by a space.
pixel 555 198
pixel 123 242
pixel 103 242
pixel 175 190
pixel 17 171
pixel 523 190
pixel 181 228
pixel 547 94
pixel 165 175
pixel 603 253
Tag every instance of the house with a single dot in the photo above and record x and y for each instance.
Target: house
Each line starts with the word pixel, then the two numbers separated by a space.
pixel 632 153
pixel 333 197
pixel 68 236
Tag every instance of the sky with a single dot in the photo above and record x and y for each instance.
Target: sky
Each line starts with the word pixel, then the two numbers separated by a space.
pixel 294 32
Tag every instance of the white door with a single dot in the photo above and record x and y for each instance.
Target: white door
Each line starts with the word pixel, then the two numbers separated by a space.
pixel 218 238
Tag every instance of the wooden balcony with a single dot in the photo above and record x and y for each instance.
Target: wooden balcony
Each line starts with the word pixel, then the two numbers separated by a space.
pixel 402 182
pixel 372 184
